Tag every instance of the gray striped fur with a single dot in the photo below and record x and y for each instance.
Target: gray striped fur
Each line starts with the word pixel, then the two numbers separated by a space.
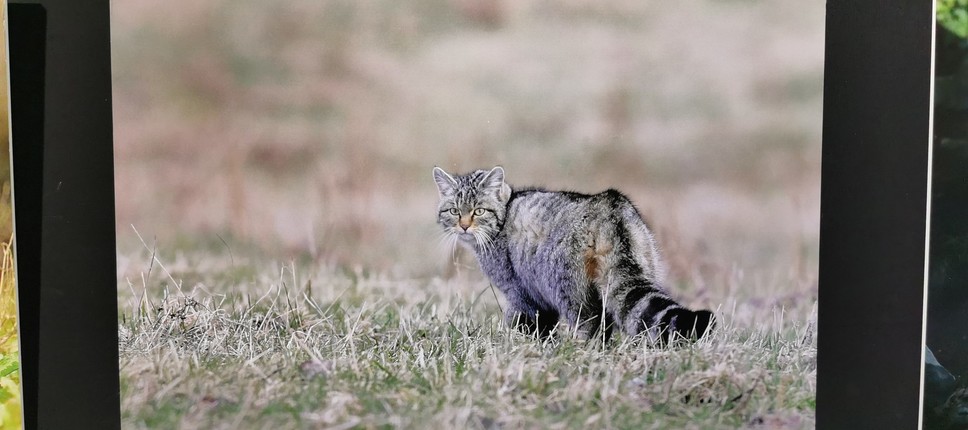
pixel 587 259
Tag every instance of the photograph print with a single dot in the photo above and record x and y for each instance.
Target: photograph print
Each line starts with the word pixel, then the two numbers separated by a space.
pixel 11 414
pixel 467 213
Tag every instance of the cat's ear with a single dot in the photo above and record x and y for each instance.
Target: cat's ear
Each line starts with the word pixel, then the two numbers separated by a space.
pixel 445 183
pixel 494 180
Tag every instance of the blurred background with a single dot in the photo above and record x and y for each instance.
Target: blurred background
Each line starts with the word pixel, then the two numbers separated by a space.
pixel 307 129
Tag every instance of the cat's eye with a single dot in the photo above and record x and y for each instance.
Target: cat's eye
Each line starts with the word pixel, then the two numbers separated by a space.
pixel 478 212
pixel 454 211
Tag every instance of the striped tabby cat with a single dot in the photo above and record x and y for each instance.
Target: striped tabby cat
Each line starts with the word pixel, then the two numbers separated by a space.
pixel 589 259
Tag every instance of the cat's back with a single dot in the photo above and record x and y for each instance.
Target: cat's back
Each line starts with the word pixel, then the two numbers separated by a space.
pixel 532 207
pixel 588 232
pixel 536 215
pixel 537 204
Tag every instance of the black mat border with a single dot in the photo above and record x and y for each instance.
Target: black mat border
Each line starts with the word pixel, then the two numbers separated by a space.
pixel 873 206
pixel 64 213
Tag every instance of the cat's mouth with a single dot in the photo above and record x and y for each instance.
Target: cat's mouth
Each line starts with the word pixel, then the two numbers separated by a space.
pixel 465 235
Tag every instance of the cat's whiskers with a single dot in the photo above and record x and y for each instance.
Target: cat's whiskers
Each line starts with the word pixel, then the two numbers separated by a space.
pixel 447 239
pixel 444 237
pixel 479 239
pixel 454 238
pixel 487 242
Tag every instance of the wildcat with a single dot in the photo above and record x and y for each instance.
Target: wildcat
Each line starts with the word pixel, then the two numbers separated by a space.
pixel 587 259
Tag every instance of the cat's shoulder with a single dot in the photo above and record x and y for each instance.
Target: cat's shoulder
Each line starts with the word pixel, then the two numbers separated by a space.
pixel 525 193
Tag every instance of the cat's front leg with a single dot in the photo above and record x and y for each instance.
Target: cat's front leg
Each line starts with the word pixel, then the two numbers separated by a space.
pixel 526 316
pixel 531 322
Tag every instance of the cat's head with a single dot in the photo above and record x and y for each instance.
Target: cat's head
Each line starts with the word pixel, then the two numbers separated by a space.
pixel 472 207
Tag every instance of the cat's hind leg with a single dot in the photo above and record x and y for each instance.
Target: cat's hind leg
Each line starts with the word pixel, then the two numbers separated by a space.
pixel 595 328
pixel 590 321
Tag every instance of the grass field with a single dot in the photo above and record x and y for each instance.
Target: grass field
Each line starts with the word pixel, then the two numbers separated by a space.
pixel 278 262
pixel 10 406
pixel 282 345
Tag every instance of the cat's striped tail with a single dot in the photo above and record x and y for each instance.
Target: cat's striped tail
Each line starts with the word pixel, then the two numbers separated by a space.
pixel 648 309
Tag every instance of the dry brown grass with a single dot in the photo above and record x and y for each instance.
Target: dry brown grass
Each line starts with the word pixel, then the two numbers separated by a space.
pixel 291 347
